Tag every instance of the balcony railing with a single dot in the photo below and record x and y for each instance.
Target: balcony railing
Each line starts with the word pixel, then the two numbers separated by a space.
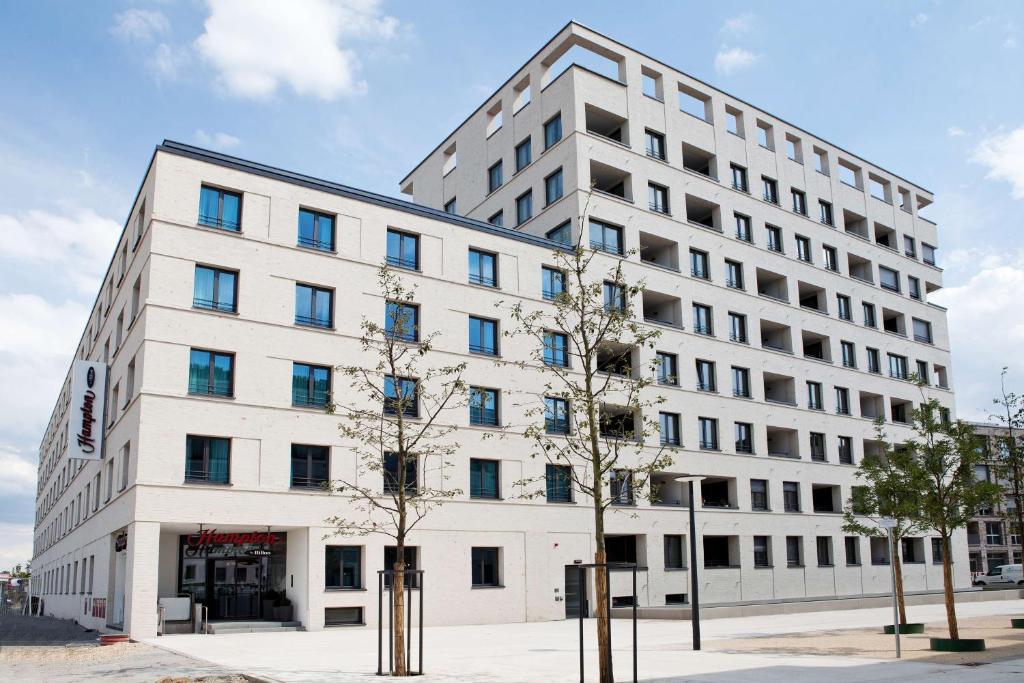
pixel 487 417
pixel 310 321
pixel 484 280
pixel 398 262
pixel 218 222
pixel 322 245
pixel 309 482
pixel 211 305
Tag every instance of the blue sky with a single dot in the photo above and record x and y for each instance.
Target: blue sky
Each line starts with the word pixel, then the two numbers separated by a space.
pixel 359 91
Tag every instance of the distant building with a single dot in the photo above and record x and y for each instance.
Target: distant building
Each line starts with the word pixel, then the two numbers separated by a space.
pixel 991 540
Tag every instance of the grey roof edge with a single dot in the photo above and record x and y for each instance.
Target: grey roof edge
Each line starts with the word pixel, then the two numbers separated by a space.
pixel 573 22
pixel 274 173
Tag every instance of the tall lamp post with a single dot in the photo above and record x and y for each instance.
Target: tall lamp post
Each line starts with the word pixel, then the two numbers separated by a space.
pixel 694 587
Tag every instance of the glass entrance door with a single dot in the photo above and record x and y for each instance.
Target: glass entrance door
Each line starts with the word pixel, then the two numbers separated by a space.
pixel 236 586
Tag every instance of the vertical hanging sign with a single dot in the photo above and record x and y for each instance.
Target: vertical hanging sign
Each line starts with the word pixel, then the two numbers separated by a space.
pixel 85 422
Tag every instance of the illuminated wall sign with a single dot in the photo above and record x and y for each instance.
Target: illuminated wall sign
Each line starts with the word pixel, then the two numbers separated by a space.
pixel 85 424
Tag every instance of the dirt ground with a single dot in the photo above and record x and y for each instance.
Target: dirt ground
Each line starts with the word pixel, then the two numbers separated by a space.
pixel 1001 641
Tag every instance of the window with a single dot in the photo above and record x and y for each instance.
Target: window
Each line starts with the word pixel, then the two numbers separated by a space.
pixel 523 155
pixel 707 427
pixel 869 315
pixel 552 282
pixel 483 407
pixel 738 327
pixel 668 368
pixel 497 219
pixel 494 178
pixel 136 297
pixel 699 264
pixel 803 248
pixel 655 144
pixel 928 254
pixel 215 289
pixel 845 307
pixel 614 297
pixel 790 496
pixel 483 336
pixel 207 460
pixel 743 231
pixel 874 362
pixel 552 131
pixel 799 202
pixel 524 207
pixel 126 453
pixel 849 354
pixel 739 178
pixel 140 222
pixel 702 320
pixel 621 485
pixel 674 552
pixel 814 401
pixel 897 366
pixel 842 400
pixel 706 376
pixel 922 331
pixel 922 371
pixel 771 190
pixel 733 274
pixel 831 258
pixel 852 545
pixel 483 478
pixel 210 373
pixel 762 554
pixel 825 212
pixel 657 198
pixel 483 268
pixel 913 287
pixel 316 230
pixel 410 558
pixel 314 306
pixel 392 471
pixel 220 208
pixel 403 250
pixel 485 567
pixel 889 278
pixel 311 385
pixel 562 234
pixel 669 423
pixel 937 550
pixel 824 547
pixel 556 349
pixel 401 396
pixel 845 450
pixel 759 495
pixel 774 238
pixel 402 321
pixel 744 440
pixel 740 382
pixel 553 188
pixel 558 483
pixel 909 246
pixel 793 551
pixel 451 206
pixel 343 567
pixel 764 135
pixel 817 447
pixel 309 466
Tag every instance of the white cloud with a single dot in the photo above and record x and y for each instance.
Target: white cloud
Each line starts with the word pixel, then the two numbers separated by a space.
pixel 739 25
pixel 918 19
pixel 729 60
pixel 76 244
pixel 168 61
pixel 15 544
pixel 1003 154
pixel 19 474
pixel 259 46
pixel 218 141
pixel 1010 43
pixel 955 132
pixel 31 324
pixel 139 24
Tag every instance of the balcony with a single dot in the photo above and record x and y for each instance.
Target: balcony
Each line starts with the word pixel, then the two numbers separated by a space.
pixel 772 285
pixel 894 321
pixel 779 389
pixel 718 493
pixel 885 236
pixel 615 359
pixel 700 161
pixel 659 251
pixel 860 268
pixel 667 492
pixel 662 309
pixel 617 422
pixel 812 297
pixel 855 224
pixel 816 346
pixel 607 125
pixel 776 336
pixel 783 442
pixel 901 410
pixel 609 180
pixel 872 406
pixel 703 213
pixel 826 498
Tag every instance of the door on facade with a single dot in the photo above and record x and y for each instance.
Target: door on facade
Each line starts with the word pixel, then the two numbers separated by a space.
pixel 575 592
pixel 116 617
pixel 235 584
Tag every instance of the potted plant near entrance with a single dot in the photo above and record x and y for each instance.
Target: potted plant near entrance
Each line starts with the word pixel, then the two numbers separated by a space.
pixel 282 607
pixel 268 599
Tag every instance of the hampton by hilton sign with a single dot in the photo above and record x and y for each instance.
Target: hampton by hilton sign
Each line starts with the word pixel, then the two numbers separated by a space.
pixel 85 426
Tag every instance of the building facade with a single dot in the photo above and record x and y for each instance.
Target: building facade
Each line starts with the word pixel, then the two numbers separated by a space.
pixel 789 279
pixel 991 537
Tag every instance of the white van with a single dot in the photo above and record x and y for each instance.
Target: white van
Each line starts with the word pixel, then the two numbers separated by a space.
pixel 1004 573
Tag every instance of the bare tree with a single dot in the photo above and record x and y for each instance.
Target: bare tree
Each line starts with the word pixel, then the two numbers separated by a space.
pixel 1010 452
pixel 394 424
pixel 589 423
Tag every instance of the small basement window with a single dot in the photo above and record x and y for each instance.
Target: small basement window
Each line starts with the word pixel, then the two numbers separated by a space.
pixel 343 616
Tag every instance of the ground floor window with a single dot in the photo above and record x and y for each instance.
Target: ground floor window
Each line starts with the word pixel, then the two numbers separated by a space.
pixel 343 616
pixel 411 562
pixel 486 570
pixel 236 575
pixel 343 567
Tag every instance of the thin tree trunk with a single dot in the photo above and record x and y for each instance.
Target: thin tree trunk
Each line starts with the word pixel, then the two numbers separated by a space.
pixel 897 566
pixel 947 584
pixel 398 590
pixel 605 675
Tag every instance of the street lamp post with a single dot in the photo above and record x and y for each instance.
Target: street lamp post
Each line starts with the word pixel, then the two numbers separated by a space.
pixel 694 586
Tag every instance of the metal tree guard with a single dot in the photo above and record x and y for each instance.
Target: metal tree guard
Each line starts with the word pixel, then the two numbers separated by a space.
pixel 610 567
pixel 390 588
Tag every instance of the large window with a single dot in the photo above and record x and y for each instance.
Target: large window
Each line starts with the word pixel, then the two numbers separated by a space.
pixel 762 551
pixel 392 471
pixel 791 496
pixel 771 190
pixel 657 198
pixel 738 327
pixel 699 264
pixel 702 319
pixel 707 427
pixel 888 278
pixel 556 349
pixel 922 331
pixel 897 366
pixel 740 382
pixel 794 551
pixel 743 230
pixel 403 250
pixel 411 557
pixel 668 368
pixel 814 398
pixel 734 274
pixel 774 238
pixel 759 494
pixel 311 385
pixel 830 257
pixel 486 570
pixel 483 268
pixel 314 306
pixel 309 466
pixel 654 143
pixel 845 308
pixel 561 234
pixel 524 207
pixel 401 395
pixel 215 289
pixel 483 478
pixel 483 336
pixel 606 237
pixel 558 483
pixel 706 376
pixel 674 552
pixel 316 230
pixel 556 415
pixel 552 131
pixel 669 425
pixel 402 321
pixel 211 373
pixel 799 202
pixel 553 187
pixel 494 177
pixel 207 459
pixel 818 446
pixel 845 450
pixel 483 407
pixel 552 282
pixel 744 437
pixel 220 208
pixel 739 178
pixel 343 567
pixel 523 155
pixel 869 315
pixel 614 297
pixel 621 485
